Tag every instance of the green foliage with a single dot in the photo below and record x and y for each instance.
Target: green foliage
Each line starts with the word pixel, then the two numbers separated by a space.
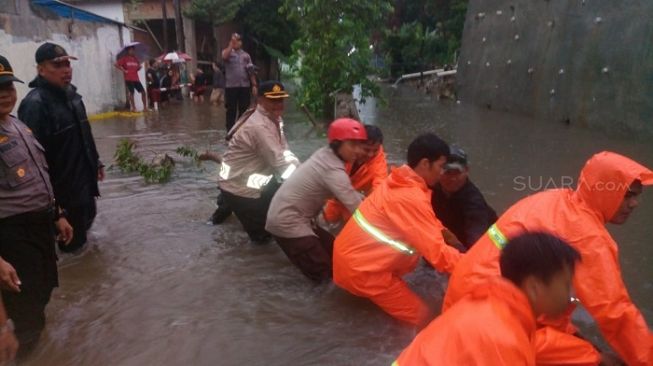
pixel 213 11
pixel 333 51
pixel 424 34
pixel 125 158
pixel 129 162
pixel 263 22
pixel 161 173
pixel 189 152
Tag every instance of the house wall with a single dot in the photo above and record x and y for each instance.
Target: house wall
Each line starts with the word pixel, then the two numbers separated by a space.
pixel 95 44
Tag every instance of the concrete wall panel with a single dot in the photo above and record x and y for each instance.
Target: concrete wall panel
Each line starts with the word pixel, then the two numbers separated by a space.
pixel 586 62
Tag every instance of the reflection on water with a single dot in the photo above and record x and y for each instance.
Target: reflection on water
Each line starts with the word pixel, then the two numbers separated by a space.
pixel 159 286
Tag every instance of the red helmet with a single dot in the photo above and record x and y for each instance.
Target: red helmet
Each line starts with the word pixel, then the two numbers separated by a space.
pixel 346 129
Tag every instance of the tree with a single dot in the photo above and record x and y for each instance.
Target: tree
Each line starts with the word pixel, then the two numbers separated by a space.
pixel 333 51
pixel 263 22
pixel 264 27
pixel 424 34
pixel 271 34
pixel 214 12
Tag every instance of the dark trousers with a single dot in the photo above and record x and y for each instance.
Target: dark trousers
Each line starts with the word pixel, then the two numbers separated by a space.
pixel 253 212
pixel 27 243
pixel 222 212
pixel 313 255
pixel 236 102
pixel 81 219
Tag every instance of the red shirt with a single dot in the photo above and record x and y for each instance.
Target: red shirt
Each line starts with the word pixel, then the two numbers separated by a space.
pixel 131 64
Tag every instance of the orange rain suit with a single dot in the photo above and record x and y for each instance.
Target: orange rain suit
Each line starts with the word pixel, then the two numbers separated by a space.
pixel 368 176
pixel 384 240
pixel 493 325
pixel 578 217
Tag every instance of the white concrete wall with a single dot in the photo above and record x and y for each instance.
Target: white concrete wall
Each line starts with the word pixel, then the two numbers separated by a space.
pixel 97 81
pixel 95 44
pixel 111 9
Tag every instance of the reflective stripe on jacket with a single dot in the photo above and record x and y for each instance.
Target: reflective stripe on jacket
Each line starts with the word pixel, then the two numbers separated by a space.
pixel 257 151
pixel 400 209
pixel 579 218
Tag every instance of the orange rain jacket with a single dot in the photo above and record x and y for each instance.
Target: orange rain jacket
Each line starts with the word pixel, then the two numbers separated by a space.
pixel 578 217
pixel 384 240
pixel 493 325
pixel 365 179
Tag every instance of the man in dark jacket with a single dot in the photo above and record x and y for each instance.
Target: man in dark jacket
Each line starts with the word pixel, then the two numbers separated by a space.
pixel 57 116
pixel 458 203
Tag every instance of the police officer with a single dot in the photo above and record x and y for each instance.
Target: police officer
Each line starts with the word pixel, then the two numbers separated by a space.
pixel 56 114
pixel 240 78
pixel 28 268
pixel 256 158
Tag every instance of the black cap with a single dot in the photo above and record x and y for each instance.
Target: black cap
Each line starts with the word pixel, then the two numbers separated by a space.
pixel 6 72
pixel 50 51
pixel 272 89
pixel 457 159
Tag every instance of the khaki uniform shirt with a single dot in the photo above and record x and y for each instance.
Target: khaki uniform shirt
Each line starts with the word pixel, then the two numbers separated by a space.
pixel 24 180
pixel 236 69
pixel 302 196
pixel 256 153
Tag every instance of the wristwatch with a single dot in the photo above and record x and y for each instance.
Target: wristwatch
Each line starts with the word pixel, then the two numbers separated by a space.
pixel 8 326
pixel 59 213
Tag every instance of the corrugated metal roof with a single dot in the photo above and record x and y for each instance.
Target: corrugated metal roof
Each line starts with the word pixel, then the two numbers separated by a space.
pixel 68 11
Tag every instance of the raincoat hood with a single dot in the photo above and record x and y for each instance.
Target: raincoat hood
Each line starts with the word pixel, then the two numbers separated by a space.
pixel 605 179
pixel 405 176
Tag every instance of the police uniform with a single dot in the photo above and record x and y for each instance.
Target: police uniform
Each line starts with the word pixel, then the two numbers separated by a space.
pixel 257 155
pixel 26 223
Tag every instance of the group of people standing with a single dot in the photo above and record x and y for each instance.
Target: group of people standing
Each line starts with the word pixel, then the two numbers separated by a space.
pixel 163 81
pixel 232 81
pixel 49 174
pixel 341 216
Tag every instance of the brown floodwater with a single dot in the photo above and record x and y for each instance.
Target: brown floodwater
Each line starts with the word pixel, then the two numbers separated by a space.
pixel 159 286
